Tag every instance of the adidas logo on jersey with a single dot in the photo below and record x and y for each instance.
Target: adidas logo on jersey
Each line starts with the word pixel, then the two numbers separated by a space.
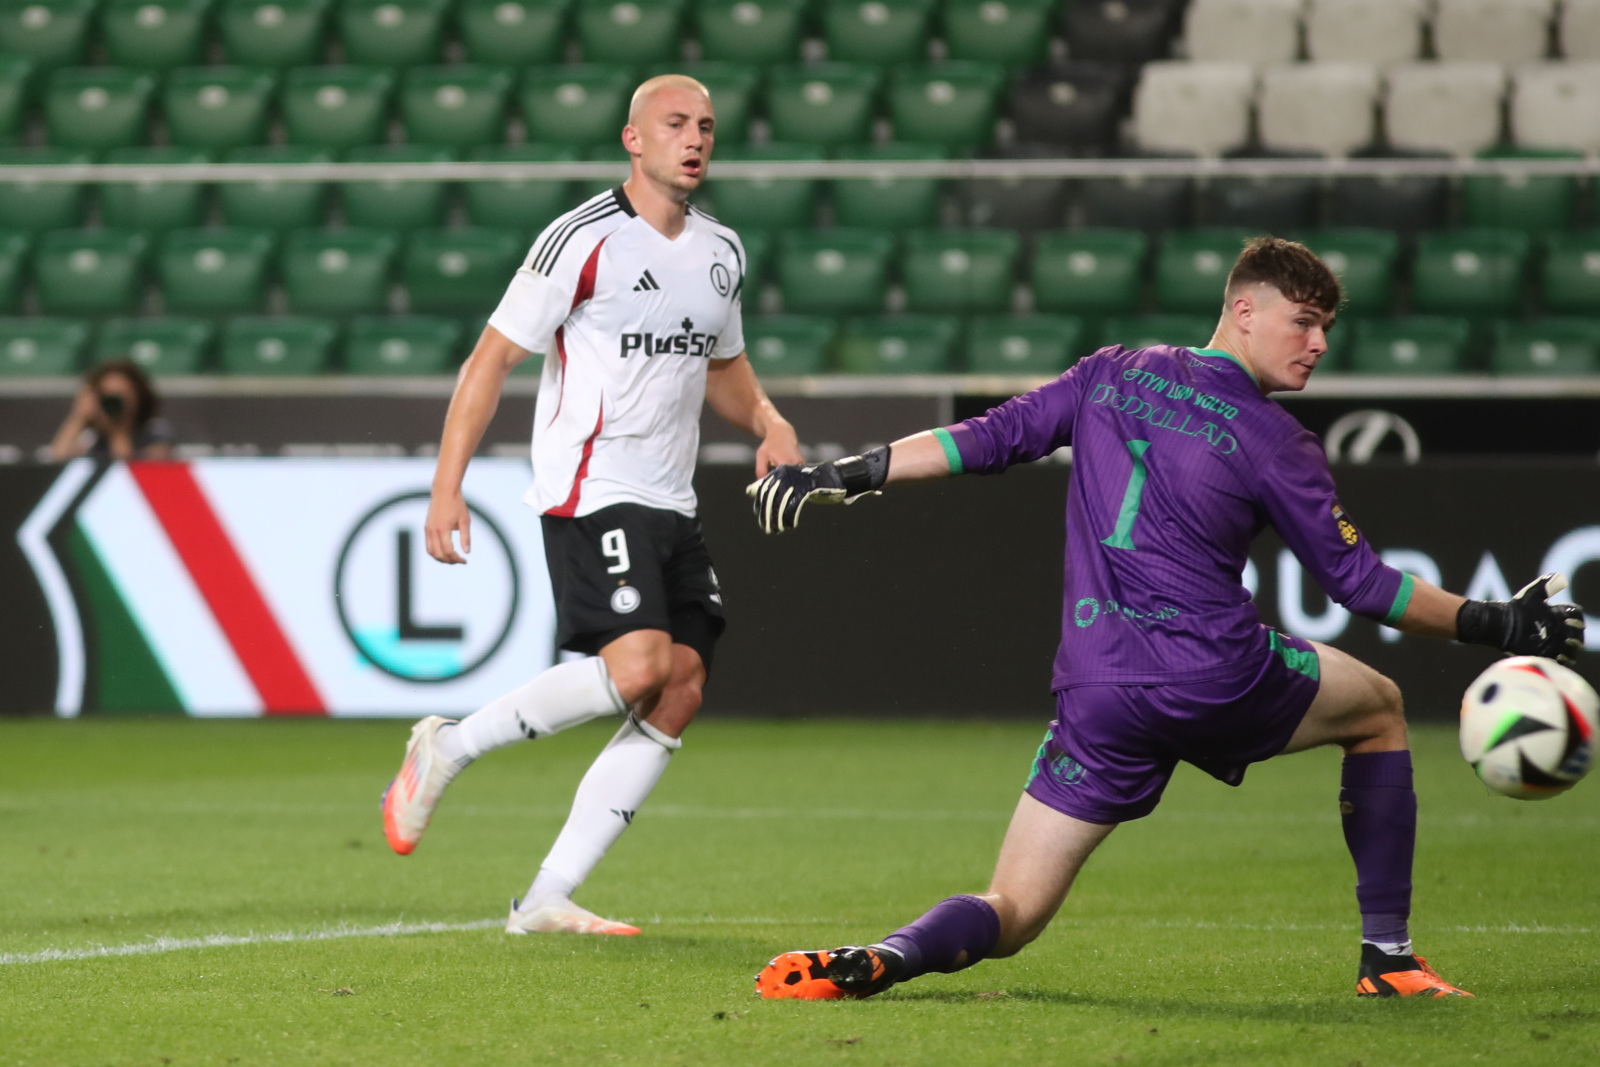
pixel 646 284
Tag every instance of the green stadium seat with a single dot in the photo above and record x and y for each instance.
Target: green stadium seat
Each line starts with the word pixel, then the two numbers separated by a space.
pixel 733 89
pixel 463 105
pixel 396 205
pixel 419 344
pixel 272 204
pixel 89 272
pixel 15 75
pixel 877 31
pixel 757 257
pixel 513 33
pixel 1090 272
pixel 524 206
pixel 1364 261
pixel 1013 32
pixel 834 271
pixel 960 270
pixel 788 344
pixel 1410 345
pixel 460 270
pixel 764 203
pixel 40 347
pixel 154 207
pixel 1142 331
pixel 215 272
pixel 13 256
pixel 273 33
pixel 158 346
pixel 952 104
pixel 97 107
pixel 628 31
pixel 1192 267
pixel 1470 272
pixel 886 201
pixel 605 153
pixel 582 105
pixel 391 33
pixel 1569 276
pixel 35 206
pixel 1031 344
pixel 1548 346
pixel 899 344
pixel 339 272
pixel 52 33
pixel 154 34
pixel 218 107
pixel 824 103
pixel 1525 202
pixel 290 345
pixel 336 107
pixel 750 31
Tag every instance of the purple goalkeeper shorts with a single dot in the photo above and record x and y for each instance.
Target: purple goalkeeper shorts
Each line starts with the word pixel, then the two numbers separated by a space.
pixel 1112 748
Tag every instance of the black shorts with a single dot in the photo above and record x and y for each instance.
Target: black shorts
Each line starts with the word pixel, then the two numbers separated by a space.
pixel 628 567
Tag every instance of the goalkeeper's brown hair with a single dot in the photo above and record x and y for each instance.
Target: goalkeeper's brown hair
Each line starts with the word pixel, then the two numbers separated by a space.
pixel 1289 267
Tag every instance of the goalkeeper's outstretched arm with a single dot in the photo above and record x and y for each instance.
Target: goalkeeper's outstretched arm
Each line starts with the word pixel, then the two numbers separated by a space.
pixel 780 496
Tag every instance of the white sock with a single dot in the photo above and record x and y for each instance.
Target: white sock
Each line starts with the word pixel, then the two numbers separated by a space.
pixel 1392 948
pixel 612 791
pixel 565 695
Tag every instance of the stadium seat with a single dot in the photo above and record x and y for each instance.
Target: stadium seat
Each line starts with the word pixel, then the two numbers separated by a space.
pixel 1142 331
pixel 89 272
pixel 1365 31
pixel 1326 108
pixel 1498 31
pixel 1016 34
pixel 750 31
pixel 877 31
pixel 1192 266
pixel 609 152
pixel 15 72
pixel 52 33
pixel 1406 205
pixel 952 104
pixel 391 33
pixel 1026 205
pixel 158 346
pixel 1519 201
pixel 1557 105
pixel 1264 205
pixel 581 105
pixel 336 107
pixel 273 33
pixel 272 204
pixel 733 88
pixel 1470 272
pixel 214 272
pixel 1548 346
pixel 396 205
pixel 512 33
pixel 1199 108
pixel 525 207
pixel 287 345
pixel 42 347
pixel 154 34
pixel 218 107
pixel 765 203
pixel 460 105
pixel 1032 344
pixel 1073 104
pixel 1364 261
pixel 899 344
pixel 834 271
pixel 826 103
pixel 13 255
pixel 420 344
pixel 628 31
pixel 460 270
pixel 97 107
pixel 35 206
pixel 1580 29
pixel 153 207
pixel 885 201
pixel 339 272
pixel 757 257
pixel 960 270
pixel 1134 201
pixel 1444 107
pixel 1120 31
pixel 1258 32
pixel 1090 272
pixel 1411 345
pixel 1569 276
pixel 788 344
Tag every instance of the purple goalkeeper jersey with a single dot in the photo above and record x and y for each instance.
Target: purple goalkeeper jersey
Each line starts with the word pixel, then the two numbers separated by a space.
pixel 1179 462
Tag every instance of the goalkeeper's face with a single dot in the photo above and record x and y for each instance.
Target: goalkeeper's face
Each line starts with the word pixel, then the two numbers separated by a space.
pixel 1286 339
pixel 671 135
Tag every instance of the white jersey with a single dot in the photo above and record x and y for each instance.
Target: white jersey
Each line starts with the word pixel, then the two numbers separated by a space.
pixel 627 320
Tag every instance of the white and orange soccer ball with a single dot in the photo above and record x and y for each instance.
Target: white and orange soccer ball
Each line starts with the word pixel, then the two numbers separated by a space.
pixel 1529 727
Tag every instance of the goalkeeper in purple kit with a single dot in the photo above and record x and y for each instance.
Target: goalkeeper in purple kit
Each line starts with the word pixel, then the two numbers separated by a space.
pixel 1179 461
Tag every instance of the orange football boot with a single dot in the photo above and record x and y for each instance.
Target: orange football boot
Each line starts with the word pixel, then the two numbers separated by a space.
pixel 1383 975
pixel 845 972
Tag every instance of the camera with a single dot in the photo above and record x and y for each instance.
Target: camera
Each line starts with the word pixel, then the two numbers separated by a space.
pixel 112 405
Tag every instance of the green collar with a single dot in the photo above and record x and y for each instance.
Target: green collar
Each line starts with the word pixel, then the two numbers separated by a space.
pixel 1225 355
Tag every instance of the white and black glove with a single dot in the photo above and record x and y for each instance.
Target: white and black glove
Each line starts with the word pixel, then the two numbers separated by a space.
pixel 1525 625
pixel 785 490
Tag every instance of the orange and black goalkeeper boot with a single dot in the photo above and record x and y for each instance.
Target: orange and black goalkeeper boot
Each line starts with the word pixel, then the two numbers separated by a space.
pixel 1383 975
pixel 851 971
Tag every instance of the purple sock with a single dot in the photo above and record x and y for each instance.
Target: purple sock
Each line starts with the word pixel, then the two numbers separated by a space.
pixel 1379 810
pixel 933 943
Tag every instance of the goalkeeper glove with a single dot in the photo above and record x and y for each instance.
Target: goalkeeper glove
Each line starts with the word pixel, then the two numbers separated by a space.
pixel 1525 625
pixel 785 490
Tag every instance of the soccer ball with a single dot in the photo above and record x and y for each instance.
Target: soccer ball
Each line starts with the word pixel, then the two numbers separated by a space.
pixel 1529 726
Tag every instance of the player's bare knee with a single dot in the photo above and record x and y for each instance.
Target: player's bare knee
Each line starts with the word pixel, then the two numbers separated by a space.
pixel 642 675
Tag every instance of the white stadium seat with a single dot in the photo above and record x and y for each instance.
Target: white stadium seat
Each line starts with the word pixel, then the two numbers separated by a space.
pixel 1444 107
pixel 1245 31
pixel 1365 31
pixel 1203 108
pixel 1328 108
pixel 1557 105
pixel 1580 29
pixel 1501 31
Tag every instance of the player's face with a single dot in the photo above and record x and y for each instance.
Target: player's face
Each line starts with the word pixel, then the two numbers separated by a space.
pixel 1287 340
pixel 672 138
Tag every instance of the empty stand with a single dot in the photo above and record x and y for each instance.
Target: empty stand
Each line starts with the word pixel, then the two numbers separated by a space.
pixel 1444 107
pixel 512 33
pixel 960 270
pixel 271 204
pixel 1013 32
pixel 827 103
pixel 1073 104
pixel 462 105
pixel 789 344
pixel 339 271
pixel 1500 31
pixel 1248 31
pixel 286 345
pixel 1185 331
pixel 38 347
pixel 1365 31
pixel 1120 31
pixel 397 205
pixel 273 33
pixel 37 206
pixel 153 207
pixel 1030 344
pixel 154 34
pixel 1410 345
pixel 418 344
pixel 628 31
pixel 765 203
pixel 391 33
pixel 899 344
pixel 523 206
pixel 13 255
pixel 1404 204
pixel 581 105
pixel 887 201
pixel 1557 105
pixel 98 107
pixel 337 107
pixel 1569 276
pixel 1090 272
pixel 953 104
pixel 158 346
pixel 750 31
pixel 1519 201
pixel 1265 205
pixel 1023 204
pixel 459 271
pixel 213 271
pixel 1364 261
pixel 834 271
pixel 1134 201
pixel 1547 346
pixel 877 31
pixel 51 33
pixel 1199 108
pixel 1191 268
pixel 89 272
pixel 15 72
pixel 1580 29
pixel 1326 108
pixel 218 107
pixel 1470 272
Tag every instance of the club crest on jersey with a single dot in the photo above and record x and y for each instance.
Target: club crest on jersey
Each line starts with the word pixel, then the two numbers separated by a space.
pixel 721 280
pixel 626 599
pixel 688 343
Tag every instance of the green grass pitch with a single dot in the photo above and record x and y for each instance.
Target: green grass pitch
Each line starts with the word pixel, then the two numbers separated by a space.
pixel 1222 930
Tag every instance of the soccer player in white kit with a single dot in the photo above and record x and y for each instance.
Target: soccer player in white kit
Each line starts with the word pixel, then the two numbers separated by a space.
pixel 634 298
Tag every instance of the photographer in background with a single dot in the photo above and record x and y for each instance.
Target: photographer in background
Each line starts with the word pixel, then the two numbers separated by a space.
pixel 114 417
